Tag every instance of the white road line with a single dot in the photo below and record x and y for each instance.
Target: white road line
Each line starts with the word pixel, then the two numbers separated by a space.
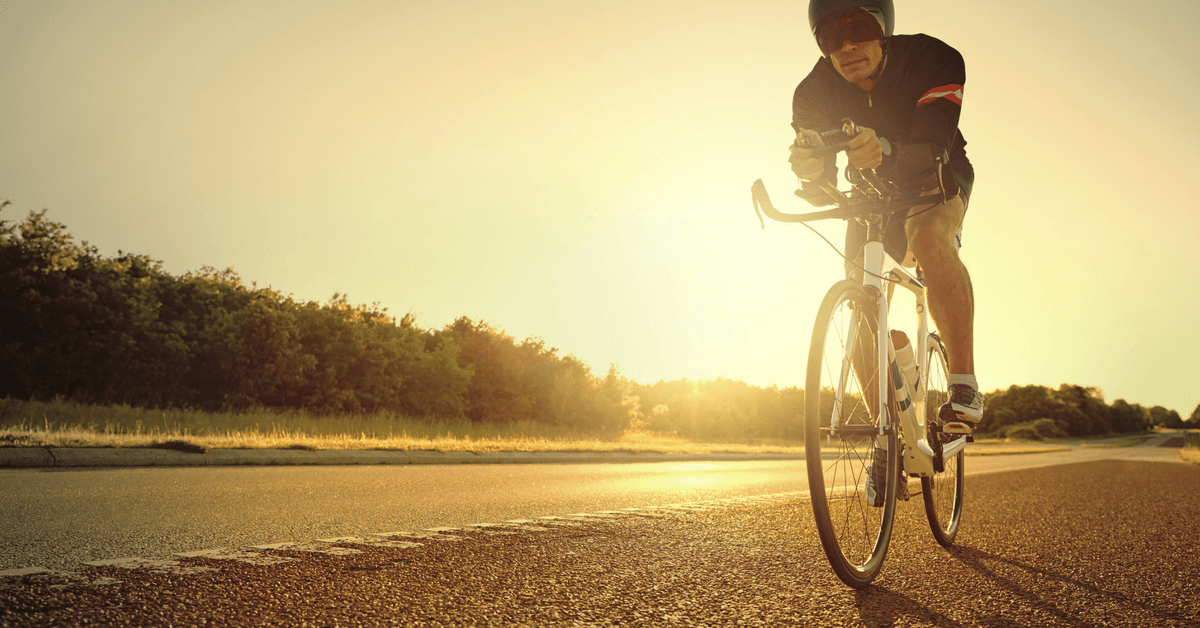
pixel 23 571
pixel 559 521
pixel 316 548
pixel 486 528
pixel 149 564
pixel 241 556
pixel 358 540
pixel 526 527
pixel 13 578
pixel 432 536
pixel 328 546
pixel 508 525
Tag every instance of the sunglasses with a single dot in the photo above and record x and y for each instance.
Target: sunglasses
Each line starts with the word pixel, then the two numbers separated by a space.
pixel 856 25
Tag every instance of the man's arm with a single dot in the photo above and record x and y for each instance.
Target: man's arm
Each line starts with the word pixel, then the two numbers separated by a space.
pixel 807 121
pixel 940 73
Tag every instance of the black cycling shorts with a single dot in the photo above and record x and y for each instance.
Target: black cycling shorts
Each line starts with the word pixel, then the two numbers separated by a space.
pixel 895 241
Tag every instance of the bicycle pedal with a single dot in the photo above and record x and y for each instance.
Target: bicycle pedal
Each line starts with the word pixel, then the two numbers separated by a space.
pixel 954 427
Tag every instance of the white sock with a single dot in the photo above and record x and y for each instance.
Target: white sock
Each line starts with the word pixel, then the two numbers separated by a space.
pixel 968 380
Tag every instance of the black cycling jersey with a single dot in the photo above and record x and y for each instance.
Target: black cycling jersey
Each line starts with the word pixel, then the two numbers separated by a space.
pixel 915 105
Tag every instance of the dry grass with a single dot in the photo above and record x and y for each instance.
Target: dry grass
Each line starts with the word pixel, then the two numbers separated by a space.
pixel 994 446
pixel 1191 448
pixel 644 442
pixel 65 424
pixel 1015 449
pixel 639 442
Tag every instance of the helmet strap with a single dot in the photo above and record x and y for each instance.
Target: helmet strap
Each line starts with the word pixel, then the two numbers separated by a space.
pixel 882 61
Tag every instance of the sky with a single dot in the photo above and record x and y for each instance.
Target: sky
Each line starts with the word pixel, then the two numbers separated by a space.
pixel 579 171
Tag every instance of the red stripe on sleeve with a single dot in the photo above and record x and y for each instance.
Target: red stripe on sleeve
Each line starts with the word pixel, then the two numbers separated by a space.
pixel 953 93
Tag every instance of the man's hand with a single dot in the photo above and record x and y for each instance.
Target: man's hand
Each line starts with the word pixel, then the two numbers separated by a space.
pixel 864 150
pixel 807 167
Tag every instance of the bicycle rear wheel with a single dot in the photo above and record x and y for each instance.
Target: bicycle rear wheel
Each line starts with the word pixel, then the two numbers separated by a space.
pixel 942 493
pixel 840 390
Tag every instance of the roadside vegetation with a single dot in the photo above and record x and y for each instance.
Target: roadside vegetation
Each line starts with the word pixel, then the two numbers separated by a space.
pixel 97 349
pixel 61 423
pixel 1191 447
pixel 67 424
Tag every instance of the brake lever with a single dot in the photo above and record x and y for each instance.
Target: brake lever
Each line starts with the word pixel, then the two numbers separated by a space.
pixel 848 131
pixel 755 190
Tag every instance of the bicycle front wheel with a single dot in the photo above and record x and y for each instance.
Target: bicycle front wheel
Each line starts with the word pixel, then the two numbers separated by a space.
pixel 851 476
pixel 942 493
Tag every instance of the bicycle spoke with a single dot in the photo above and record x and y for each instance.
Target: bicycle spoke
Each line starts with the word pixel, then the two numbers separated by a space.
pixel 853 464
pixel 840 377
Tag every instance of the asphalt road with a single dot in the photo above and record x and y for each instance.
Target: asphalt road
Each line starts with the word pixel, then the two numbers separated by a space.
pixel 1102 538
pixel 57 518
pixel 1102 543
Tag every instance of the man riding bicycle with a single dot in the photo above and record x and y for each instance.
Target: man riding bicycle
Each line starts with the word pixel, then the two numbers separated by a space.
pixel 905 93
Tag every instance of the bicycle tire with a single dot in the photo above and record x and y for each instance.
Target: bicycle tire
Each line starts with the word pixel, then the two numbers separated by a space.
pixel 854 533
pixel 942 493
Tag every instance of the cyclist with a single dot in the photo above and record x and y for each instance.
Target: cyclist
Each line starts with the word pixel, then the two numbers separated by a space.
pixel 905 92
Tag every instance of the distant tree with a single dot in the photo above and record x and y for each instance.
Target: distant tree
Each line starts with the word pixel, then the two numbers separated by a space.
pixel 1082 410
pixel 243 344
pixel 1077 410
pixel 722 409
pixel 528 381
pixel 1128 417
pixel 76 325
pixel 365 362
pixel 496 393
pixel 1193 421
pixel 1162 417
pixel 120 330
pixel 1017 404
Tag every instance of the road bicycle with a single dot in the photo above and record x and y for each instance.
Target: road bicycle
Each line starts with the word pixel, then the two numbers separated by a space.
pixel 860 453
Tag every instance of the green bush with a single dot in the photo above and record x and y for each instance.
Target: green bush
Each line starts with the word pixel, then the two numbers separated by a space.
pixel 1040 429
pixel 1023 431
pixel 1048 428
pixel 1076 410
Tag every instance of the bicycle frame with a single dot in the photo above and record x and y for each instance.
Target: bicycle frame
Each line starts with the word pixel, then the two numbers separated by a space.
pixel 855 492
pixel 919 456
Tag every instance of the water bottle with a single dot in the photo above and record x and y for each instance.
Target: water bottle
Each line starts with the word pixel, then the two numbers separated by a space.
pixel 906 365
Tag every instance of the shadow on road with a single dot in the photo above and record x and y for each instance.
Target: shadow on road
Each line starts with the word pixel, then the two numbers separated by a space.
pixel 978 560
pixel 880 606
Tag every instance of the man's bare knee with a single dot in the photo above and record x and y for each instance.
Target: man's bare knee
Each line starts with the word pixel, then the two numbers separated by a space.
pixel 931 233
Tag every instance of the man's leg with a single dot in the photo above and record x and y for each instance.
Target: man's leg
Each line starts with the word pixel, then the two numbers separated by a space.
pixel 931 237
pixel 947 284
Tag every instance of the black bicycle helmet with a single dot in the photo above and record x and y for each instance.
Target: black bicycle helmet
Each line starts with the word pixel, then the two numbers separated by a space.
pixel 820 10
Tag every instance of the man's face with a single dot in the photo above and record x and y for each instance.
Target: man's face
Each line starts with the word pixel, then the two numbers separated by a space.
pixel 856 61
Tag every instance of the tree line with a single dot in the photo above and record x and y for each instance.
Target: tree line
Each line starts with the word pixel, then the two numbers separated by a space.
pixel 1072 410
pixel 121 330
